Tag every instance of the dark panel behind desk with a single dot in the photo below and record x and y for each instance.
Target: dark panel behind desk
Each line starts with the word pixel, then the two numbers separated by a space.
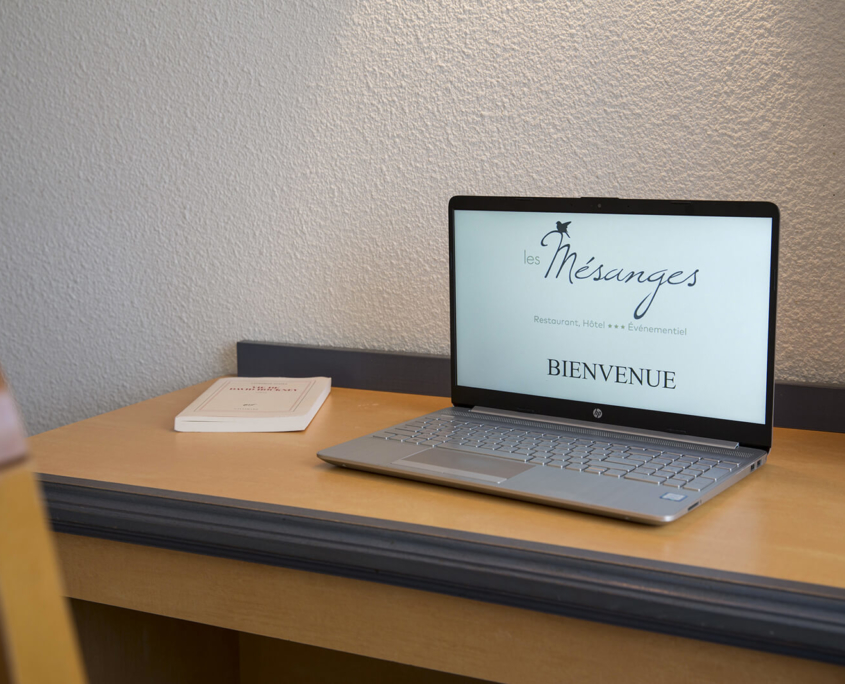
pixel 810 407
pixel 354 368
pixel 801 406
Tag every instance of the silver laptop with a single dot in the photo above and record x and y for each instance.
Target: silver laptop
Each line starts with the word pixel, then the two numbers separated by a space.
pixel 608 355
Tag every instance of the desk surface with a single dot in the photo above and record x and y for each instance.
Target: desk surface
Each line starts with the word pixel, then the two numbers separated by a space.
pixel 780 526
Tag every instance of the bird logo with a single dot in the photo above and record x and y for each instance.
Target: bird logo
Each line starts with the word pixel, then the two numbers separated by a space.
pixel 561 228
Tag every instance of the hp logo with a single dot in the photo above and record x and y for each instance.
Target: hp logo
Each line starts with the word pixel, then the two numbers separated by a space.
pixel 597 413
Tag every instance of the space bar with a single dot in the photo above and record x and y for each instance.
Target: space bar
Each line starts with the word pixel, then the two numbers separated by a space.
pixel 486 452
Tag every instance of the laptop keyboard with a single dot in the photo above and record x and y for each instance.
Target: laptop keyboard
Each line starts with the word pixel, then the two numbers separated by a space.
pixel 651 465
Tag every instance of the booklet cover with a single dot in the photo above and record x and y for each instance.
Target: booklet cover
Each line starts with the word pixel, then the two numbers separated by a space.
pixel 255 405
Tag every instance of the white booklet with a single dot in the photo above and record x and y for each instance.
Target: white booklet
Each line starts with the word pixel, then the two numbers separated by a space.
pixel 255 405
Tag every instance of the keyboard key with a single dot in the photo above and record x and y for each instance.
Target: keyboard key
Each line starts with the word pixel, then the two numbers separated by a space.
pixel 611 472
pixel 472 450
pixel 643 478
pixel 699 483
pixel 510 457
pixel 577 466
pixel 636 462
pixel 674 482
pixel 717 473
pixel 645 471
pixel 595 470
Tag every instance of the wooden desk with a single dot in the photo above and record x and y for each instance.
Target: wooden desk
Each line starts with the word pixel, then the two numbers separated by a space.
pixel 252 533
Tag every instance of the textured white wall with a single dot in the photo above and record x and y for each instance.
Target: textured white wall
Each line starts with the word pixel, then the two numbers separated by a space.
pixel 178 175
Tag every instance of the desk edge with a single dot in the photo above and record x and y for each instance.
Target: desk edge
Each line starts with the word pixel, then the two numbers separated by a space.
pixel 766 614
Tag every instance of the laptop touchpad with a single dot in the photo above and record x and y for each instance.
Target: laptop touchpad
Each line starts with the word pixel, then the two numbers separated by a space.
pixel 466 465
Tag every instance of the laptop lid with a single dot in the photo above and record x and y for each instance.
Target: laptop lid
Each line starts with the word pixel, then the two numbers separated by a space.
pixel 646 314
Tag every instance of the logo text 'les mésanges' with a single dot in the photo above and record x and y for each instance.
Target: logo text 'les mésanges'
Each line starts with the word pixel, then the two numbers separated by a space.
pixel 597 272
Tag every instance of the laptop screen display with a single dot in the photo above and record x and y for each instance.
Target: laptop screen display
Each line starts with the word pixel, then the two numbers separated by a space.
pixel 660 312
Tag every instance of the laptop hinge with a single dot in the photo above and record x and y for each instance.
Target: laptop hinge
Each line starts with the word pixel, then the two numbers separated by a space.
pixel 633 432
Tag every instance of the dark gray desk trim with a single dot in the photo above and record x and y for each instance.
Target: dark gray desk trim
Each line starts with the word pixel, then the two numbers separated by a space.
pixel 753 612
pixel 803 406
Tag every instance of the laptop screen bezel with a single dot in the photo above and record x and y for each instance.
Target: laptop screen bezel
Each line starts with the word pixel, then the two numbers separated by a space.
pixel 747 434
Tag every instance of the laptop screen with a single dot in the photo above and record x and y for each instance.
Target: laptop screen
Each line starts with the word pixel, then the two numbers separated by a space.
pixel 658 307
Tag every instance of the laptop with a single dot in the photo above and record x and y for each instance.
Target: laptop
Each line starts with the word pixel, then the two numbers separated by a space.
pixel 608 355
